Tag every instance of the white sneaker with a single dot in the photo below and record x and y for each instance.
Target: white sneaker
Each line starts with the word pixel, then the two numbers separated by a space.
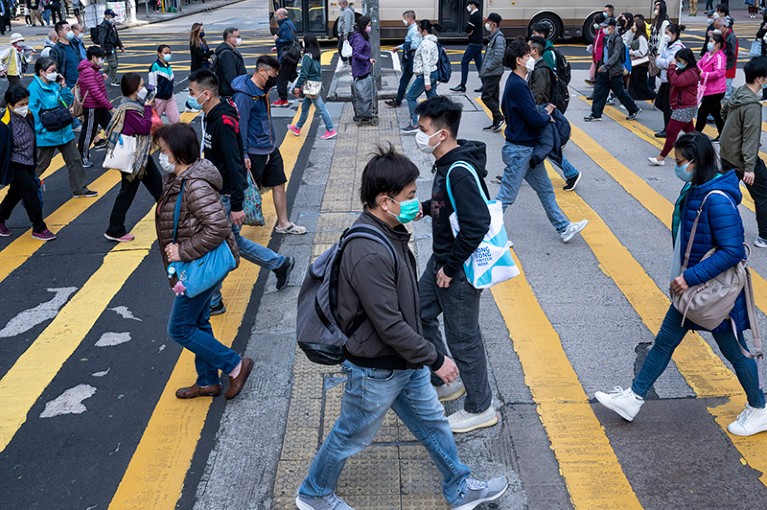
pixel 464 421
pixel 572 229
pixel 751 421
pixel 624 402
pixel 760 242
pixel 452 391
pixel 329 502
pixel 654 162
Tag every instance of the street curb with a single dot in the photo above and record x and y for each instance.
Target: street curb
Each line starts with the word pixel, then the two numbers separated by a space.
pixel 177 15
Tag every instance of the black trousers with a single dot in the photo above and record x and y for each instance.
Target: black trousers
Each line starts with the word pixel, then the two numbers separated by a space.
pixel 758 191
pixel 711 105
pixel 604 84
pixel 638 84
pixel 24 187
pixel 407 73
pixel 473 52
pixel 491 92
pixel 92 119
pixel 663 102
pixel 287 73
pixel 152 181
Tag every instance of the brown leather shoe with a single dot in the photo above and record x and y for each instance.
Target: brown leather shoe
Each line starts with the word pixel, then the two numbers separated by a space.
pixel 236 383
pixel 195 391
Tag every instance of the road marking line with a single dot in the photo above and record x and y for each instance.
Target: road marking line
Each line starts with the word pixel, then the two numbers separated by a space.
pixel 593 475
pixel 155 476
pixel 23 384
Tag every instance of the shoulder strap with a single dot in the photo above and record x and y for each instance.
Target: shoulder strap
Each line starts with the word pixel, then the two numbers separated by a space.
pixel 695 225
pixel 177 211
pixel 467 166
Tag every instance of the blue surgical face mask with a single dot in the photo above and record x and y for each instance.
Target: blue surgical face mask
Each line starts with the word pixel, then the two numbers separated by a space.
pixel 682 173
pixel 167 57
pixel 710 46
pixel 681 67
pixel 408 210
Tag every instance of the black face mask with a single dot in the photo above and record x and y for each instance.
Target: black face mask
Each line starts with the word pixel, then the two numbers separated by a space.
pixel 270 82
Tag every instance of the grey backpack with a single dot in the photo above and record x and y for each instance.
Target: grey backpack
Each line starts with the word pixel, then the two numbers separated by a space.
pixel 318 331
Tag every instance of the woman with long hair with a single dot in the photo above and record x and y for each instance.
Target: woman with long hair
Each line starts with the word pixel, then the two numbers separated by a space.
pixel 363 86
pixel 713 68
pixel 312 71
pixel 638 50
pixel 657 41
pixel 720 227
pixel 132 118
pixel 425 63
pixel 662 62
pixel 199 49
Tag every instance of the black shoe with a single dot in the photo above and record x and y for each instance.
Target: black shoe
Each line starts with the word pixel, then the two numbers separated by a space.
pixel 489 128
pixel 633 116
pixel 85 193
pixel 715 140
pixel 660 134
pixel 498 179
pixel 458 88
pixel 589 98
pixel 572 182
pixel 497 126
pixel 283 272
pixel 592 118
pixel 218 309
pixel 478 90
pixel 393 103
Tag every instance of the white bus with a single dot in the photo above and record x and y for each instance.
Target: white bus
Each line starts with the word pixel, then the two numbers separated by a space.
pixel 573 18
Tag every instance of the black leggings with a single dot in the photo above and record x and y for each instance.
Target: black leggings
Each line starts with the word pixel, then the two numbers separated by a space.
pixel 24 188
pixel 92 119
pixel 152 181
pixel 710 105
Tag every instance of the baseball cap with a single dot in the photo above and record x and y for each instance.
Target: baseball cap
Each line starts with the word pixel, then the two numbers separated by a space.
pixel 109 12
pixel 17 37
pixel 609 22
pixel 494 17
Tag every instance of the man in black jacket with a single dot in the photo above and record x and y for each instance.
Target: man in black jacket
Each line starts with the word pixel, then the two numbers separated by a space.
pixel 222 146
pixel 388 360
pixel 229 63
pixel 444 288
pixel 474 48
pixel 110 41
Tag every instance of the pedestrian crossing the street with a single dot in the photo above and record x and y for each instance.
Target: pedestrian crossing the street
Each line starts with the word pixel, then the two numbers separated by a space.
pixel 151 450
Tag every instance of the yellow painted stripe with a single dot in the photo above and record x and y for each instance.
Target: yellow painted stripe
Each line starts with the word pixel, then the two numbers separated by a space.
pixel 593 475
pixel 695 368
pixel 35 369
pixel 155 476
pixel 57 162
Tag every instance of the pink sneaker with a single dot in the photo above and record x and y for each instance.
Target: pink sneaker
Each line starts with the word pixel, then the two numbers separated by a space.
pixel 45 235
pixel 281 103
pixel 124 239
pixel 293 129
pixel 329 134
pixel 4 231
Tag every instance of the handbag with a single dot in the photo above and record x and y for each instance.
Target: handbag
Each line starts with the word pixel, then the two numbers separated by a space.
pixel 710 303
pixel 57 118
pixel 756 49
pixel 77 105
pixel 346 49
pixel 200 274
pixel 639 61
pixel 652 68
pixel 251 204
pixel 702 90
pixel 491 263
pixel 122 157
pixel 312 89
pixel 156 122
pixel 292 53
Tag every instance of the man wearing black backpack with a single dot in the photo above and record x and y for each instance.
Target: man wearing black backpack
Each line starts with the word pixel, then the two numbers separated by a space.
pixel 108 38
pixel 288 45
pixel 229 62
pixel 387 357
pixel 492 70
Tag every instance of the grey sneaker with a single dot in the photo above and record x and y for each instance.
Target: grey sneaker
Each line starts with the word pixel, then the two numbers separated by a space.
pixel 409 130
pixel 481 491
pixel 329 502
pixel 573 229
pixel 449 392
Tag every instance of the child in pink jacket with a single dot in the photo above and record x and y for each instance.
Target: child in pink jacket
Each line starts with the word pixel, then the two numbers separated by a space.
pixel 96 105
pixel 713 67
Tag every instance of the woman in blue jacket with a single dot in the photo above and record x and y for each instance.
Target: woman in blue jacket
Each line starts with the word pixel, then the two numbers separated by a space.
pixel 47 91
pixel 719 227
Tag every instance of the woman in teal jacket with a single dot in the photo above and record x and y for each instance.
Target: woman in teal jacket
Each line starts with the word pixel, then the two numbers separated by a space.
pixel 311 71
pixel 48 91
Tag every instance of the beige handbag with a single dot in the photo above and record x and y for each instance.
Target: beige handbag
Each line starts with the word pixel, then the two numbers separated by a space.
pixel 312 89
pixel 710 303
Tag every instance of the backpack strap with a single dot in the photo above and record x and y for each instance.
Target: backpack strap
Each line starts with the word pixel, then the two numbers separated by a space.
pixel 467 166
pixel 688 251
pixel 177 211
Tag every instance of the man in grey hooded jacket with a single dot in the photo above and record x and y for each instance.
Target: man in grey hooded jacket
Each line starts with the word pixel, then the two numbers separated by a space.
pixel 492 70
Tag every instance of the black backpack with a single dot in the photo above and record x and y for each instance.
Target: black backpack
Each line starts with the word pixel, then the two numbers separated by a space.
pixel 562 69
pixel 444 68
pixel 95 35
pixel 318 331
pixel 559 95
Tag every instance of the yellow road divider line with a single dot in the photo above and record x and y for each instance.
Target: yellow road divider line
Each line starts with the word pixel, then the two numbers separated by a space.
pixel 593 474
pixel 155 476
pixel 35 369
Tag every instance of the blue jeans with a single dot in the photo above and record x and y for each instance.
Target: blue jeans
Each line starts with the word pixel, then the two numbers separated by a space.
pixel 728 90
pixel 189 325
pixel 249 250
pixel 319 104
pixel 368 395
pixel 517 160
pixel 670 336
pixel 473 52
pixel 568 170
pixel 417 88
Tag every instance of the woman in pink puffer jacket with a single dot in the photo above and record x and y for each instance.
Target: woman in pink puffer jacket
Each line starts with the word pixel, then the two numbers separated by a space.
pixel 713 66
pixel 96 105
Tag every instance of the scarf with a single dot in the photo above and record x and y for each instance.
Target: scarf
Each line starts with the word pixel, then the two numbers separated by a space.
pixel 143 142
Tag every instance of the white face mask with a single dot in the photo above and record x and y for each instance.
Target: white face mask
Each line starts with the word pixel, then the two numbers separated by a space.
pixel 238 41
pixel 606 31
pixel 468 8
pixel 52 76
pixel 530 64
pixel 488 27
pixel 422 142
pixel 717 31
pixel 142 93
pixel 101 62
pixel 404 22
pixel 166 164
pixel 21 111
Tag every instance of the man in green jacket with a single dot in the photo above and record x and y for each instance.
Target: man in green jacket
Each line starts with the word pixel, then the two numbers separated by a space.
pixel 740 140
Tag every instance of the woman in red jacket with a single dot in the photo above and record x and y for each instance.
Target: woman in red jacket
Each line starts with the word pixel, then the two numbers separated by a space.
pixel 97 109
pixel 683 77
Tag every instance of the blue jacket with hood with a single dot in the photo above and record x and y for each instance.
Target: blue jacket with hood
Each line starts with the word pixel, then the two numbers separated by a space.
pixel 719 226
pixel 255 116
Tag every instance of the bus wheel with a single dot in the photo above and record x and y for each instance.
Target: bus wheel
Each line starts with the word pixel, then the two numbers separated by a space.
pixel 589 32
pixel 553 22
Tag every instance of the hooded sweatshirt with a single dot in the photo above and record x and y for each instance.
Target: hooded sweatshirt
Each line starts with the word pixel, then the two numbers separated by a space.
pixel 223 148
pixel 740 138
pixel 256 126
pixel 473 216
pixel 228 66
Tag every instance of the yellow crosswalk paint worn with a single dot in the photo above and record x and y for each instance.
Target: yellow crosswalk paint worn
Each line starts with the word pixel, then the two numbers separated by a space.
pixel 589 466
pixel 57 162
pixel 155 476
pixel 23 384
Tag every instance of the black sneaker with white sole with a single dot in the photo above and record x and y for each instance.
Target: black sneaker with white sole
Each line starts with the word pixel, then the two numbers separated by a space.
pixel 572 182
pixel 218 309
pixel 633 116
pixel 498 179
pixel 592 118
pixel 85 193
pixel 283 272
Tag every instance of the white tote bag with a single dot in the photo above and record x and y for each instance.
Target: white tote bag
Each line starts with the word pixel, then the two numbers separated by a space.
pixel 123 155
pixel 491 263
pixel 346 49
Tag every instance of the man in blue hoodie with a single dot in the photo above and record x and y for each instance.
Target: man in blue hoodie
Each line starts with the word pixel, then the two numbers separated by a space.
pixel 526 123
pixel 285 37
pixel 262 156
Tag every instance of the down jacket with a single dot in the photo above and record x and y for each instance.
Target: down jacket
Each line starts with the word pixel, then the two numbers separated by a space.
pixel 720 226
pixel 492 61
pixel 684 87
pixel 203 223
pixel 712 71
pixel 92 87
